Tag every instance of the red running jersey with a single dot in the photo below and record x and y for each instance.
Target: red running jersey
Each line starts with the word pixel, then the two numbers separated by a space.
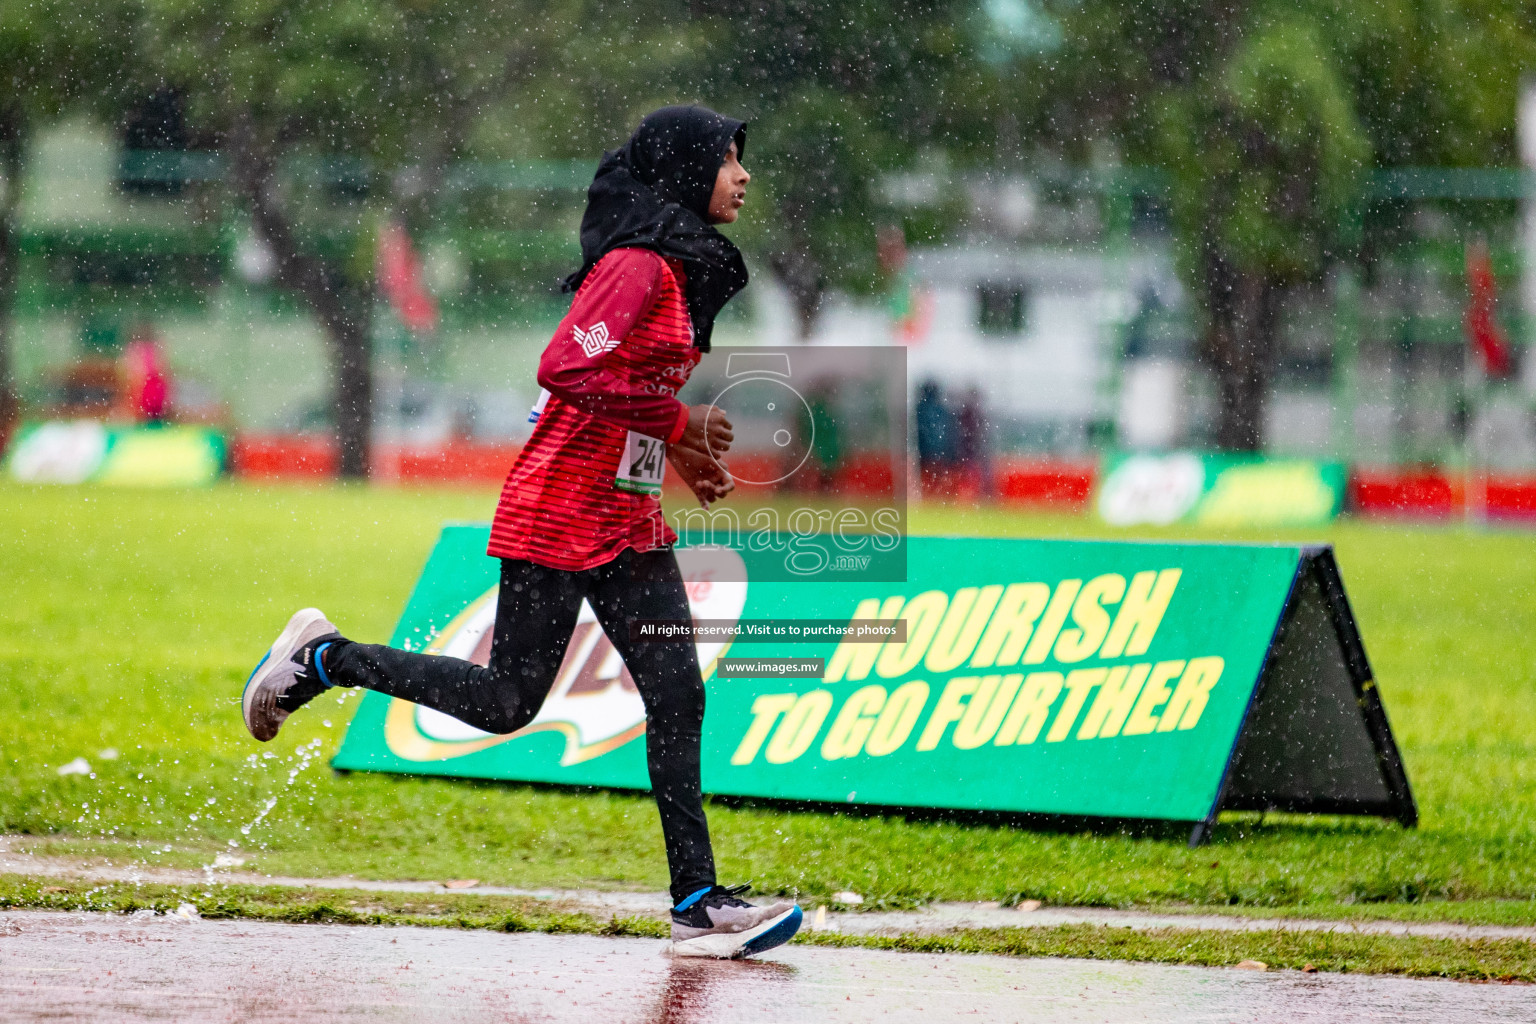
pixel 611 371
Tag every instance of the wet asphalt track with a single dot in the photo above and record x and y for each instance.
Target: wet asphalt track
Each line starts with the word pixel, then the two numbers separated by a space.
pixel 98 968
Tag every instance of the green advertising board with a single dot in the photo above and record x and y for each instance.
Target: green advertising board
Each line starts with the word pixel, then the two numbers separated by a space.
pixel 1219 490
pixel 1098 679
pixel 90 451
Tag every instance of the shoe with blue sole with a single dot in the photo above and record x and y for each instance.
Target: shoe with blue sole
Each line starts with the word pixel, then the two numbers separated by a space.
pixel 715 922
pixel 288 675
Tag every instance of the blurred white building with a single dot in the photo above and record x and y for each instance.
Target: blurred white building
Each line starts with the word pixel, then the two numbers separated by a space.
pixel 1037 332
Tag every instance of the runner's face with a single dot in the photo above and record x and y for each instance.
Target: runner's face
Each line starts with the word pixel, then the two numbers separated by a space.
pixel 730 189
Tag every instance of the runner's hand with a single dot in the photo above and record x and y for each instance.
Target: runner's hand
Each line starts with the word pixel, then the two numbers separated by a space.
pixel 709 480
pixel 708 431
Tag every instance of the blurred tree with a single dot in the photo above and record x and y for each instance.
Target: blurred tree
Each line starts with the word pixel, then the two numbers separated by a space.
pixel 53 53
pixel 386 91
pixel 1249 112
pixel 1266 117
pixel 837 94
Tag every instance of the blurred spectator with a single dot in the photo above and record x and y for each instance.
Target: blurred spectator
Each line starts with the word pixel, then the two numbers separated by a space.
pixel 826 453
pixel 148 380
pixel 937 436
pixel 971 445
pixel 1138 329
pixel 909 305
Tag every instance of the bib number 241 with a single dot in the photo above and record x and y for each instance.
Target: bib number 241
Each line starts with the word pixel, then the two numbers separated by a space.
pixel 644 463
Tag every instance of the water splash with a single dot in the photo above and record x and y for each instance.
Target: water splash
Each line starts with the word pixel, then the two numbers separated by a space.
pixel 266 809
pixel 305 755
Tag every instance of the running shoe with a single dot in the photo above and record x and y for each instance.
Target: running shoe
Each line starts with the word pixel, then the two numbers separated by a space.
pixel 287 677
pixel 716 922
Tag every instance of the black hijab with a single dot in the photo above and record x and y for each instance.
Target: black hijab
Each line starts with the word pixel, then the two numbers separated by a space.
pixel 653 193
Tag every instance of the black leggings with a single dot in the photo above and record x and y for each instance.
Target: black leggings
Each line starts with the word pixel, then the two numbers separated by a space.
pixel 535 615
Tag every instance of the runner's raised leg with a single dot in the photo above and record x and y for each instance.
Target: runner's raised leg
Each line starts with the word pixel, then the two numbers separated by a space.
pixel 535 614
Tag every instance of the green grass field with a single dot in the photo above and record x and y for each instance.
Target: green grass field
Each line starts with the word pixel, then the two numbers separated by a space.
pixel 132 620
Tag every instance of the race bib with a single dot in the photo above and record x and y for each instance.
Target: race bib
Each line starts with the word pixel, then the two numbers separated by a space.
pixel 643 465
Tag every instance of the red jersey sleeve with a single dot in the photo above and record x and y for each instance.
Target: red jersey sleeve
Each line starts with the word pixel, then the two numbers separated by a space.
pixel 614 297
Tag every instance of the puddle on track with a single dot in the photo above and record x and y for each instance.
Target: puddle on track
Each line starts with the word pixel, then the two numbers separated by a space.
pixel 99 968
